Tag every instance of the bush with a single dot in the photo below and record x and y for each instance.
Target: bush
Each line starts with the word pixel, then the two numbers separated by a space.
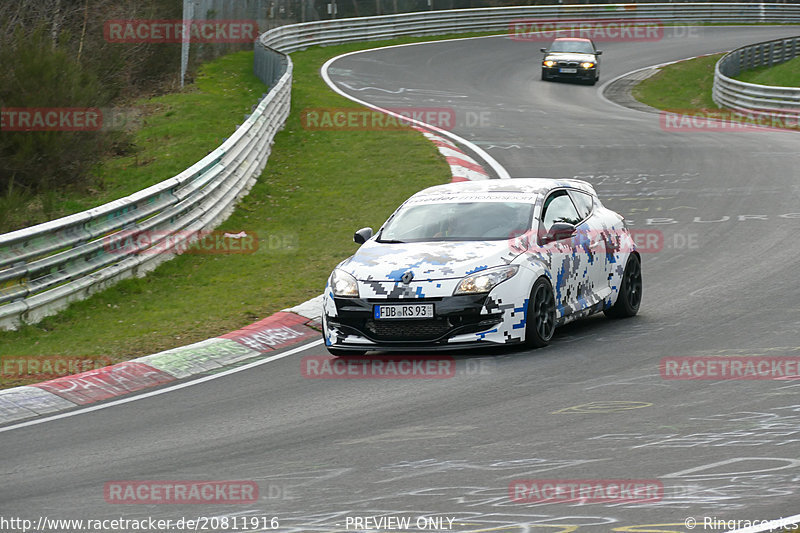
pixel 35 75
pixel 53 54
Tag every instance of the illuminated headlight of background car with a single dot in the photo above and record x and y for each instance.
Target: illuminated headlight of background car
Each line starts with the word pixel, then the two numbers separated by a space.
pixel 549 63
pixel 343 284
pixel 485 280
pixel 587 64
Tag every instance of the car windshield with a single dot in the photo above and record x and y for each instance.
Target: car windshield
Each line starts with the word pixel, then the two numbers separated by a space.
pixel 465 221
pixel 579 47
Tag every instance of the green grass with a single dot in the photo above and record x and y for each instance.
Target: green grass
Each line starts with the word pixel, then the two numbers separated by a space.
pixel 681 86
pixel 784 75
pixel 317 188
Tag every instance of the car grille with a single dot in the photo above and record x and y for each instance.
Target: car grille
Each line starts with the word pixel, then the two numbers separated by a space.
pixel 568 63
pixel 408 330
pixel 459 315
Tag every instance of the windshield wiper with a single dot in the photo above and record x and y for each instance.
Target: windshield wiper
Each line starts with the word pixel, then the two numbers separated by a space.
pixel 390 241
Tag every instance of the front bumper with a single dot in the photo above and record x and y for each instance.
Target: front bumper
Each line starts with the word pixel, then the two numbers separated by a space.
pixel 580 74
pixel 459 322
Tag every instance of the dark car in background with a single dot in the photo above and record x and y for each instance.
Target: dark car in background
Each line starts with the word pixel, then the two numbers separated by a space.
pixel 571 58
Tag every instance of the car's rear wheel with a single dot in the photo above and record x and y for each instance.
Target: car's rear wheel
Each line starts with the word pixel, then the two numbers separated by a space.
pixel 630 293
pixel 541 319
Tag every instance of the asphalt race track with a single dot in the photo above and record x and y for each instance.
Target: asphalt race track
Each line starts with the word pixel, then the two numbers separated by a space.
pixel 723 282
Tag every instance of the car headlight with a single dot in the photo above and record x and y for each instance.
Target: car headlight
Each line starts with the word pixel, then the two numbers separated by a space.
pixel 343 284
pixel 549 63
pixel 485 280
pixel 587 64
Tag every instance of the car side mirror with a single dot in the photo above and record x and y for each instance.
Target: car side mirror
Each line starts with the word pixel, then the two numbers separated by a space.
pixel 362 235
pixel 598 52
pixel 543 50
pixel 559 231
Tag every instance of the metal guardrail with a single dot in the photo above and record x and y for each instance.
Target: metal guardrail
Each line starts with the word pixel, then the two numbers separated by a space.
pixel 45 267
pixel 750 97
pixel 299 36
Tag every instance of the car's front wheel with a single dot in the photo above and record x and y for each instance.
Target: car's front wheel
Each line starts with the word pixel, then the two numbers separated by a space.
pixel 541 319
pixel 630 292
pixel 544 76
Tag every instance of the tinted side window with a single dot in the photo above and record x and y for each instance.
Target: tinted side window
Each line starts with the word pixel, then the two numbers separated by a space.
pixel 583 202
pixel 559 208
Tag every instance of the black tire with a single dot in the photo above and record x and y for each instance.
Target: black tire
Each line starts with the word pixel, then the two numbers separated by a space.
pixel 338 352
pixel 541 319
pixel 544 76
pixel 630 294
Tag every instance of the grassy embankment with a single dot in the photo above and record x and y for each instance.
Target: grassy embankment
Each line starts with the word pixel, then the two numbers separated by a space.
pixel 686 87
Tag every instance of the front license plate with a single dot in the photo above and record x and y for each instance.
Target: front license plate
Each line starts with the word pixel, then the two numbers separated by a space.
pixel 568 71
pixel 383 312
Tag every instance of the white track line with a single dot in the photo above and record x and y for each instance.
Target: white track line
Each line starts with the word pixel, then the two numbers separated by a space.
pixel 164 390
pixel 480 152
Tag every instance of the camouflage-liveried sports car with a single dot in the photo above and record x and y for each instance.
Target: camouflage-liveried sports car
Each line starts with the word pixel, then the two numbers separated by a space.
pixel 483 262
